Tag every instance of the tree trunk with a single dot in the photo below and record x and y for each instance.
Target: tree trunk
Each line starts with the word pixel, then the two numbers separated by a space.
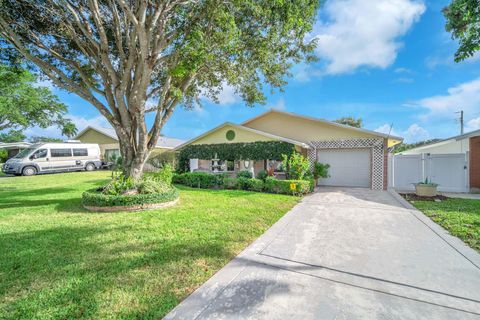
pixel 134 158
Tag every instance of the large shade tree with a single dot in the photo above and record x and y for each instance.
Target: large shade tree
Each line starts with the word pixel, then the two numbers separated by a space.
pixel 132 58
pixel 25 104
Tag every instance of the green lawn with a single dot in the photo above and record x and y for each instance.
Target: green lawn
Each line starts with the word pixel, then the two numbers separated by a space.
pixel 59 261
pixel 461 217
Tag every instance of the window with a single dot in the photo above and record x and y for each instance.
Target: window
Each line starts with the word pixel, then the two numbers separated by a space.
pixel 61 153
pixel 23 153
pixel 80 152
pixel 39 154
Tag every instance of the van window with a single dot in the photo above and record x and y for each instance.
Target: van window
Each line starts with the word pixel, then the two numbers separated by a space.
pixel 80 152
pixel 61 153
pixel 39 154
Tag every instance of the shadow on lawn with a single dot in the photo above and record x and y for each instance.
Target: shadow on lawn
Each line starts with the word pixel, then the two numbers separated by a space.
pixel 67 269
pixel 71 205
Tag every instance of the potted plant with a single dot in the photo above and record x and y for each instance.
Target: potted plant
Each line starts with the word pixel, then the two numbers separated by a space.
pixel 320 170
pixel 426 188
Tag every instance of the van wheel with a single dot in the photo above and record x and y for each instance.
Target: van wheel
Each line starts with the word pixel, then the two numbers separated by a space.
pixel 29 171
pixel 89 167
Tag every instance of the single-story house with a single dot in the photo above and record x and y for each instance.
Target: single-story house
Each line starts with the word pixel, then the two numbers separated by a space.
pixel 107 139
pixel 467 144
pixel 14 147
pixel 357 157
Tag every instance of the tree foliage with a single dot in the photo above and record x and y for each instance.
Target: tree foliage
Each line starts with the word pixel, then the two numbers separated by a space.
pixel 119 54
pixel 407 146
pixel 350 121
pixel 12 136
pixel 260 150
pixel 24 104
pixel 297 165
pixel 463 21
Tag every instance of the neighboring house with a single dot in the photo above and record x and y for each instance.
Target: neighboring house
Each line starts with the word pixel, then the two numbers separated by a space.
pixel 108 141
pixel 452 149
pixel 14 147
pixel 357 157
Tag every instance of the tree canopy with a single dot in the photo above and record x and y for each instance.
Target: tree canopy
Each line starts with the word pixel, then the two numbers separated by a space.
pixel 131 58
pixel 24 104
pixel 463 21
pixel 12 136
pixel 350 121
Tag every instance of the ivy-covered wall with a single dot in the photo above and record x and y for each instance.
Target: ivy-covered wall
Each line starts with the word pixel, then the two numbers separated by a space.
pixel 259 150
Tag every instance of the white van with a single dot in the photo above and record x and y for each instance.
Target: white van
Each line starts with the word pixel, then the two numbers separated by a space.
pixel 54 157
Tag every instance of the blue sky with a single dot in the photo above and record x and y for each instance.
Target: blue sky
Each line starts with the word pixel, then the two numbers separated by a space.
pixel 390 62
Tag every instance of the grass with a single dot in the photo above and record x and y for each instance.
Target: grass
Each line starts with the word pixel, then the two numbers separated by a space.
pixel 461 217
pixel 59 261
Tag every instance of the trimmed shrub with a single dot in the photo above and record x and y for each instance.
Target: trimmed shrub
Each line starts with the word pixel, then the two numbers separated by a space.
pixel 230 183
pixel 178 178
pixel 207 181
pixel 262 175
pixel 149 185
pixel 255 185
pixel 244 174
pixel 119 185
pixel 200 179
pixel 243 183
pixel 285 186
pixel 165 174
pixel 94 198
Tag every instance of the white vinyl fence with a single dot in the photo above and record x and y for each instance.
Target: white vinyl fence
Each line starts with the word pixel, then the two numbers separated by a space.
pixel 450 171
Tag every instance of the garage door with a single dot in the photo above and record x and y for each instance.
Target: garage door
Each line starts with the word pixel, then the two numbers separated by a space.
pixel 348 167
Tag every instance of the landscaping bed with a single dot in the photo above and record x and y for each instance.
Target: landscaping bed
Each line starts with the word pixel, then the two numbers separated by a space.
pixel 414 197
pixel 95 200
pixel 222 181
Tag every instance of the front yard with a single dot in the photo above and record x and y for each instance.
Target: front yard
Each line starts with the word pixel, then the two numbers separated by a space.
pixel 59 261
pixel 461 217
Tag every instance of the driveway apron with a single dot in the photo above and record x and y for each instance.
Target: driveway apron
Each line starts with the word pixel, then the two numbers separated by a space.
pixel 345 253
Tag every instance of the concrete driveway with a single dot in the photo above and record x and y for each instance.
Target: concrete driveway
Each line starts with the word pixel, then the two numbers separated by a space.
pixel 345 253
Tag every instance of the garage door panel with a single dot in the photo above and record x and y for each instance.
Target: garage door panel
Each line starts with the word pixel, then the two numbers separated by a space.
pixel 348 167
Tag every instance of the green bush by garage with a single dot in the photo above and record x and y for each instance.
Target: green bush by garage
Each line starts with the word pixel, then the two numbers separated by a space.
pixel 206 180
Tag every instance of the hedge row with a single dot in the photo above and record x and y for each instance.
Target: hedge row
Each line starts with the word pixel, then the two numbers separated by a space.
pixel 222 181
pixel 258 150
pixel 94 198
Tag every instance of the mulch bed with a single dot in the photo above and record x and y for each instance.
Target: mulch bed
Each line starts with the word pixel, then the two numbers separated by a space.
pixel 414 197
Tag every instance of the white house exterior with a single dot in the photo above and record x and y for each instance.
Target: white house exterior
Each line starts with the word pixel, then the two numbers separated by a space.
pixel 454 163
pixel 459 144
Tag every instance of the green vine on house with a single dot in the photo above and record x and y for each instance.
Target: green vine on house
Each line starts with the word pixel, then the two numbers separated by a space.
pixel 259 150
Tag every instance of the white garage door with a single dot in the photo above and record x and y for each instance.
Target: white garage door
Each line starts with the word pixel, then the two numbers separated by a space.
pixel 348 167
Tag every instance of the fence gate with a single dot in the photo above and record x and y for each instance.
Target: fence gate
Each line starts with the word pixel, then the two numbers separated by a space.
pixel 450 171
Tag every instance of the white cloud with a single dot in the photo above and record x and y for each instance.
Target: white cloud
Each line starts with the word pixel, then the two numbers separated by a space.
pixel 465 96
pixel 387 129
pixel 358 33
pixel 414 132
pixel 226 96
pixel 403 70
pixel 279 105
pixel 473 124
pixel 405 80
